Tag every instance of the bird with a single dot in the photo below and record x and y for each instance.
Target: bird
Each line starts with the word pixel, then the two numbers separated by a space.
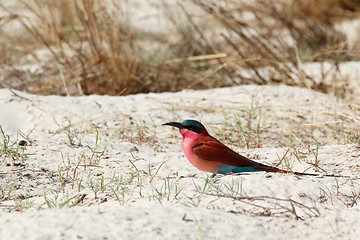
pixel 208 154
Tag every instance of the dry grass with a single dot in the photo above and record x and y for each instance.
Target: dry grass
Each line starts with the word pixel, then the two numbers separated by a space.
pixel 95 49
pixel 88 43
pixel 269 40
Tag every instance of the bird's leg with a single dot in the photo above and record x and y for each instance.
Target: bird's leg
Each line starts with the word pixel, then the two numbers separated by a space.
pixel 214 174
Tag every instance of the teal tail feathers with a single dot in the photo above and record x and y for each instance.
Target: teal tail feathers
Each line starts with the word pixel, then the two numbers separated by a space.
pixel 227 169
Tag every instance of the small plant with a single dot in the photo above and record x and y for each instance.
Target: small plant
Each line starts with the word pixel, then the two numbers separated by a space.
pixel 285 161
pixel 325 195
pixel 305 153
pixel 169 190
pixel 201 190
pixel 245 128
pixel 120 188
pixel 11 149
pixel 23 202
pixel 152 175
pixel 96 153
pixel 253 127
pixel 120 198
pixel 6 191
pixel 233 188
pixel 71 135
pixel 98 186
pixel 61 200
pixel 355 199
pixel 140 132
pixel 67 171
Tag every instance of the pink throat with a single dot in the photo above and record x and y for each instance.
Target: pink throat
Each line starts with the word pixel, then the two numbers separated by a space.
pixel 190 140
pixel 187 134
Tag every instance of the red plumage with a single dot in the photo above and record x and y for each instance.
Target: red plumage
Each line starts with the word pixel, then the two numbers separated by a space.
pixel 210 155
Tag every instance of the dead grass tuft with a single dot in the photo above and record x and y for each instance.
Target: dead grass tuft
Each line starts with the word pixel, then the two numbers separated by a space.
pixel 92 47
pixel 268 41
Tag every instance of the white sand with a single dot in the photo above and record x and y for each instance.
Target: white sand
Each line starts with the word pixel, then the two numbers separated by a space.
pixel 140 185
pixel 172 206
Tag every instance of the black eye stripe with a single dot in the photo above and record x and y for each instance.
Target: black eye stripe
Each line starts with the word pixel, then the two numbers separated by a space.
pixel 194 129
pixel 193 125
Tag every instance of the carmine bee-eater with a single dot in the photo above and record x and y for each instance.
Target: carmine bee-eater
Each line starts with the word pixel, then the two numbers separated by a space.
pixel 208 154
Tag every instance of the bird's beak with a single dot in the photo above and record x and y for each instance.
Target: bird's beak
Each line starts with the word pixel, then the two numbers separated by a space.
pixel 174 124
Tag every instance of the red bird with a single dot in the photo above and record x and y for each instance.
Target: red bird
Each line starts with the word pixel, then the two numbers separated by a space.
pixel 208 154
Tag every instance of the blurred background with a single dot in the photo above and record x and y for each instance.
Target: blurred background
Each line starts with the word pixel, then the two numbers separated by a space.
pixel 120 47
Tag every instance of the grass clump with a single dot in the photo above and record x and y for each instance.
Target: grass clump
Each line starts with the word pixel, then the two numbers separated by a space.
pixel 93 47
pixel 13 150
pixel 268 41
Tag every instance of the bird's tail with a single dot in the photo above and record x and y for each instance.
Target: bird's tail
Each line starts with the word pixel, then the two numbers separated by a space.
pixel 274 169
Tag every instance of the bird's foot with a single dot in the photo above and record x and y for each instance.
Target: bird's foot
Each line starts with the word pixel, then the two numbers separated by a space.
pixel 214 174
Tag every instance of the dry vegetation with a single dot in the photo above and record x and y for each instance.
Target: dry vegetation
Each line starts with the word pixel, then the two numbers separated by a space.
pixel 87 47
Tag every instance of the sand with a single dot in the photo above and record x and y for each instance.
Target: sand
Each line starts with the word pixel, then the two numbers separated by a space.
pixel 101 167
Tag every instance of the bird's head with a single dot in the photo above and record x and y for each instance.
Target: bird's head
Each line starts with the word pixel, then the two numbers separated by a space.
pixel 189 128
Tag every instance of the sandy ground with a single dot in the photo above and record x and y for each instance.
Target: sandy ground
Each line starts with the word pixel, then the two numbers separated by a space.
pixel 101 167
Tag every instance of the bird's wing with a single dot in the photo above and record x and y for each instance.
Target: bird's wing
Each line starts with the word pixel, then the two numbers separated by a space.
pixel 211 150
